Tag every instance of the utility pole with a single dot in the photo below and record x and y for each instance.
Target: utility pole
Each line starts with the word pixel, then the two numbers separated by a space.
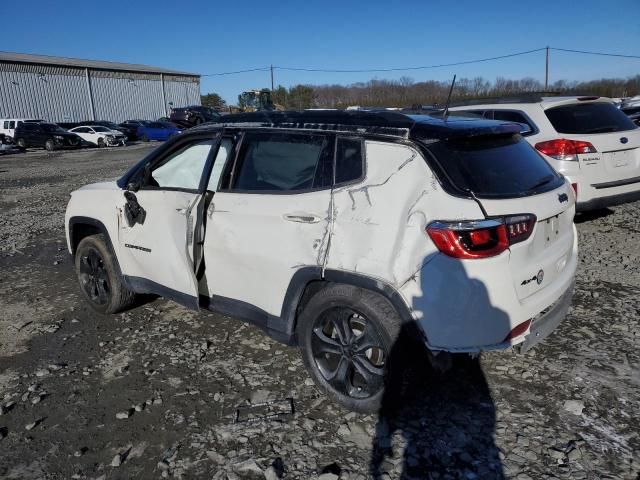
pixel 271 78
pixel 546 72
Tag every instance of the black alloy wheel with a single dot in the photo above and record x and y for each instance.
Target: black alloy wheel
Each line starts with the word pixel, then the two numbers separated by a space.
pixel 349 352
pixel 94 277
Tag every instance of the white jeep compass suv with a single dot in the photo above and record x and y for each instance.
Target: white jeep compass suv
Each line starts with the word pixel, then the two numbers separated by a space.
pixel 335 230
pixel 587 139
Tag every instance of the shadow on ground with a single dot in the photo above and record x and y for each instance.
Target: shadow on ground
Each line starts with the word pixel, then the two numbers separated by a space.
pixel 445 421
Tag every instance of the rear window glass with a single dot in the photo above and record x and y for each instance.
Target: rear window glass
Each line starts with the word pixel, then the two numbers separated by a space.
pixel 588 118
pixel 495 166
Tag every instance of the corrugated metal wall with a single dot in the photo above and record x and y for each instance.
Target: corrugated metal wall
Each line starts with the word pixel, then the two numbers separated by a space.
pixel 61 94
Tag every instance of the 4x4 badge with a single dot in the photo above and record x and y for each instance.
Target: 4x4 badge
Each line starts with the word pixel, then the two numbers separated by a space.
pixel 538 278
pixel 563 197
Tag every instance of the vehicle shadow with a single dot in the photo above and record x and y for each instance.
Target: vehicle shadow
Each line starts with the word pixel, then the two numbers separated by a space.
pixel 444 421
pixel 590 215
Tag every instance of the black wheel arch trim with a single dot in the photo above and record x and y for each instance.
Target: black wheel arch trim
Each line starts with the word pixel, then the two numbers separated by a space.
pixel 374 284
pixel 304 276
pixel 79 220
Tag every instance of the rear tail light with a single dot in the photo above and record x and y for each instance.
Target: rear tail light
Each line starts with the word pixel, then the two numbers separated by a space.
pixel 480 238
pixel 563 149
pixel 575 189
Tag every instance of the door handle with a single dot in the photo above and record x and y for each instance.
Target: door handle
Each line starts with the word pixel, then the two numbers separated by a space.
pixel 302 217
pixel 181 211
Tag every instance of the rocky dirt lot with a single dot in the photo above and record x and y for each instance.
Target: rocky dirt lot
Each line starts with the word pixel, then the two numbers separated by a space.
pixel 153 392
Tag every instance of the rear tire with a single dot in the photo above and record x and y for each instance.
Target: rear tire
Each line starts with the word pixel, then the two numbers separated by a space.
pixel 144 138
pixel 49 145
pixel 99 276
pixel 346 335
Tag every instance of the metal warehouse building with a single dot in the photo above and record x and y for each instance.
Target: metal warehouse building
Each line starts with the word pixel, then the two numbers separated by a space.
pixel 61 89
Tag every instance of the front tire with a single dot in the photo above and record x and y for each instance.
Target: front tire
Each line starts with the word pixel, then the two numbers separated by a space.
pixel 144 138
pixel 101 142
pixel 346 335
pixel 99 275
pixel 22 144
pixel 49 145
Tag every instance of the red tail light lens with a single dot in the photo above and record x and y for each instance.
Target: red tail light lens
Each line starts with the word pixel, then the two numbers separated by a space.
pixel 519 227
pixel 563 149
pixel 480 238
pixel 518 330
pixel 575 189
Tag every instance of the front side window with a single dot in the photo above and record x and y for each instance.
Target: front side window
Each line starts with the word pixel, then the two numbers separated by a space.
pixel 218 166
pixel 182 168
pixel 278 162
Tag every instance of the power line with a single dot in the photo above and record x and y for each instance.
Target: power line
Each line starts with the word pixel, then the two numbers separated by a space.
pixel 423 67
pixel 403 69
pixel 595 53
pixel 259 69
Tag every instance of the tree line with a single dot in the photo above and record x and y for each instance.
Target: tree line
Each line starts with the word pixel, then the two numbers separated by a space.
pixel 405 92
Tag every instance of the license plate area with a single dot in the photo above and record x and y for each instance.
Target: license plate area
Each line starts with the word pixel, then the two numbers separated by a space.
pixel 552 229
pixel 622 159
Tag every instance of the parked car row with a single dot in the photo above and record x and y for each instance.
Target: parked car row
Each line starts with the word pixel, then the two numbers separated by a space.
pixel 27 133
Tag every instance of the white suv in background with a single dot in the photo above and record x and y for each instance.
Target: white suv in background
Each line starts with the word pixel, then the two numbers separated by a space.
pixel 337 231
pixel 587 139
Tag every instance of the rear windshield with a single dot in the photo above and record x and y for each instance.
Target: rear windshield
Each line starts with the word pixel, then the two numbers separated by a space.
pixel 503 166
pixel 588 118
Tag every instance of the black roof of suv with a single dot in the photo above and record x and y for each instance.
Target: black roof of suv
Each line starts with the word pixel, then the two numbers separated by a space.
pixel 419 127
pixel 394 125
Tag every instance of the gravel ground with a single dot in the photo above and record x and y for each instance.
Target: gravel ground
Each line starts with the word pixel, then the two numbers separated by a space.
pixel 153 392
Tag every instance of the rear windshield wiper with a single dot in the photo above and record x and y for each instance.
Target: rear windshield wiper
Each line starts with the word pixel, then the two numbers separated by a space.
pixel 543 181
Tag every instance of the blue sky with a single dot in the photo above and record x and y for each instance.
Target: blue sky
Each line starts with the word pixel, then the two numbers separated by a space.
pixel 215 36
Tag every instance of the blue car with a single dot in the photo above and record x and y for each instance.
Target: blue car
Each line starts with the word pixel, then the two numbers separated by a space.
pixel 157 131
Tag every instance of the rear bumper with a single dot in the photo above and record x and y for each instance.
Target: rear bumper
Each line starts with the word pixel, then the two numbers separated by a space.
pixel 472 307
pixel 609 201
pixel 547 322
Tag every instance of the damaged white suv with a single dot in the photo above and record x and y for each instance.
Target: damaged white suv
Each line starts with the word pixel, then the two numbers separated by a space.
pixel 336 230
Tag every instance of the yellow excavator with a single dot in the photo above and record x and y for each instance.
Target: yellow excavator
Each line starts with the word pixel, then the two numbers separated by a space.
pixel 256 101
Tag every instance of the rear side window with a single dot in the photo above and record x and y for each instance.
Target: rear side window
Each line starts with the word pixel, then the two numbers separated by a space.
pixel 495 166
pixel 588 118
pixel 278 162
pixel 517 117
pixel 349 160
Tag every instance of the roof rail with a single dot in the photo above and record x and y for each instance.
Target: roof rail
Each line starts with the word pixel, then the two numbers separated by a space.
pixel 526 97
